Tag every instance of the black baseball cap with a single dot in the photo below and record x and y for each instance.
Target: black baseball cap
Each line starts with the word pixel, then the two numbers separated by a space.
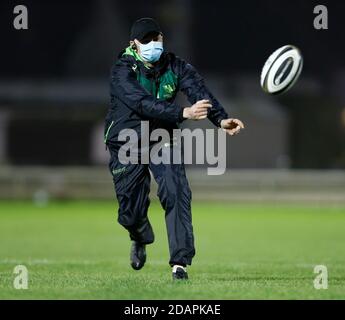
pixel 143 27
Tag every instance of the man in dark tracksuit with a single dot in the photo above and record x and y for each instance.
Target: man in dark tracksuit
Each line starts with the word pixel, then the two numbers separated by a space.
pixel 144 84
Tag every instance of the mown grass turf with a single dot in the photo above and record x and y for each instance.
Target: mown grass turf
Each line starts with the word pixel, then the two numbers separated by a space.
pixel 76 250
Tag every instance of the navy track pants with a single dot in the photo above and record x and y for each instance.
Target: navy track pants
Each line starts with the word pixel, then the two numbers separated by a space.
pixel 132 186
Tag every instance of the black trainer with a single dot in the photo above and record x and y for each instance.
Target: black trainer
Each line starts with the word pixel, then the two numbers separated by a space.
pixel 138 255
pixel 179 273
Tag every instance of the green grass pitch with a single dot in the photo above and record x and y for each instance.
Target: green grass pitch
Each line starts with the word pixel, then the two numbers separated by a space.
pixel 76 250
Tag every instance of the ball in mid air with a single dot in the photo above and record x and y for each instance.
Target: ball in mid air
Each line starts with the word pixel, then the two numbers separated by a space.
pixel 281 70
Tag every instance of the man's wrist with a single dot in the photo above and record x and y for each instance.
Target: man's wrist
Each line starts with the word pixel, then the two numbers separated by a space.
pixel 186 113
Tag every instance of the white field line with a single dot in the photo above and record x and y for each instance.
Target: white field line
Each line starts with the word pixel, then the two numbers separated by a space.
pixel 151 262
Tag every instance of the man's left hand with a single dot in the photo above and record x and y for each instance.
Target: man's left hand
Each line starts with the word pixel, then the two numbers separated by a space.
pixel 232 126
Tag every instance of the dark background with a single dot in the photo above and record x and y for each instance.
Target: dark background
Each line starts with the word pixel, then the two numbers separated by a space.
pixel 53 77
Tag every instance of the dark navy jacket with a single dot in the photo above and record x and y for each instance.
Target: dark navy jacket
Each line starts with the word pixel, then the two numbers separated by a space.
pixel 131 102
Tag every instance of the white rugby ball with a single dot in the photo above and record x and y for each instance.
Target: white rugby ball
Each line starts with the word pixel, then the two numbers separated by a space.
pixel 281 70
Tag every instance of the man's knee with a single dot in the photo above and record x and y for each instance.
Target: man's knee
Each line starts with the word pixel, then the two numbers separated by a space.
pixel 170 194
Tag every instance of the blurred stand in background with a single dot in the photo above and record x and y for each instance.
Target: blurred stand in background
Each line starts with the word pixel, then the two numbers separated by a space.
pixel 54 96
pixel 242 185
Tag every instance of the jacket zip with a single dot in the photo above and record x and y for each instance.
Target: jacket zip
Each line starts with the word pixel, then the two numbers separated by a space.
pixel 156 79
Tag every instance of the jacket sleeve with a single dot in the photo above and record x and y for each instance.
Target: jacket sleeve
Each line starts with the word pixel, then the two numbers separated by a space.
pixel 193 86
pixel 124 86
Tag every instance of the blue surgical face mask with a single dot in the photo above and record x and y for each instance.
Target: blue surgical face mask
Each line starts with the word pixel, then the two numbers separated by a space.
pixel 151 51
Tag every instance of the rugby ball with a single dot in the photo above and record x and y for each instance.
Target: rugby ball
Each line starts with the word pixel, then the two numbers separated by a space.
pixel 281 70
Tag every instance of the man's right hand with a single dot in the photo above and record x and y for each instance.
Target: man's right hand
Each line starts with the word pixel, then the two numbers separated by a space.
pixel 197 111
